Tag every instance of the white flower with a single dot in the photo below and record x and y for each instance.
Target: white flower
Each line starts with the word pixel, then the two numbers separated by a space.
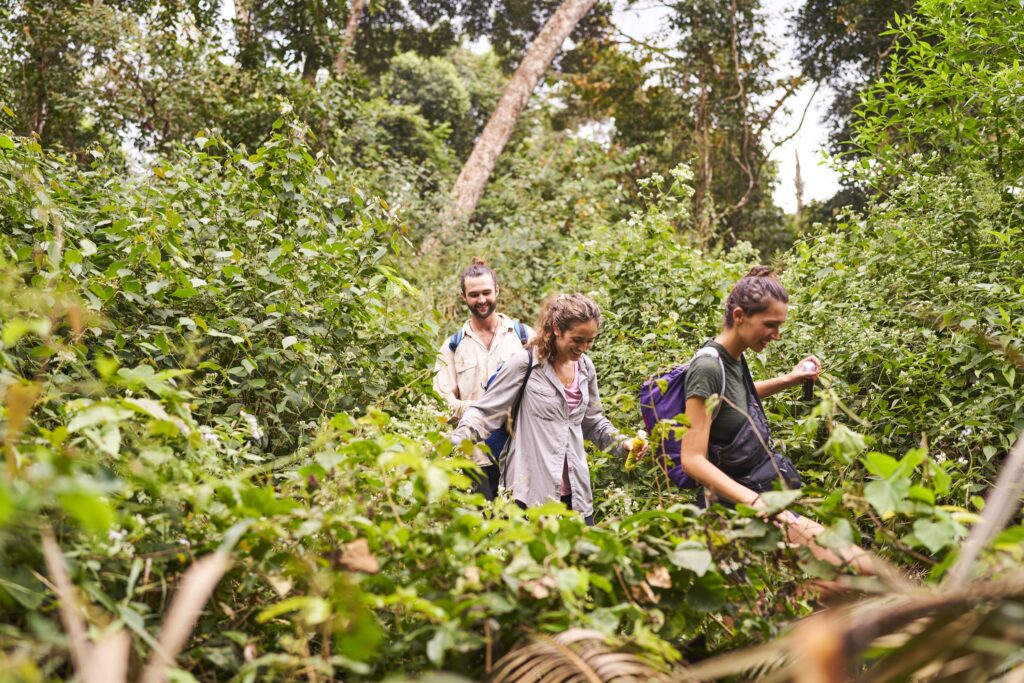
pixel 254 426
pixel 208 435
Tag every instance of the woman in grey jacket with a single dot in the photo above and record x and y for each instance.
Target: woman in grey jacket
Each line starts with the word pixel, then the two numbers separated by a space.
pixel 545 459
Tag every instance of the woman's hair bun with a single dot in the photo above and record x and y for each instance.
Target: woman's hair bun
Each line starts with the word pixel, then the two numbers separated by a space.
pixel 477 261
pixel 761 271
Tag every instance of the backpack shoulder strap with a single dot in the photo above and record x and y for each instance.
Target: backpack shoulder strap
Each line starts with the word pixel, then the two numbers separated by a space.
pixel 455 340
pixel 712 352
pixel 751 387
pixel 520 329
pixel 522 387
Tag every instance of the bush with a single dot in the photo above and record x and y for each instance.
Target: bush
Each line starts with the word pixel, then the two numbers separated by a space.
pixel 262 273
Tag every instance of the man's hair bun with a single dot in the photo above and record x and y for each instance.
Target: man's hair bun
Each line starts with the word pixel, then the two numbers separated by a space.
pixel 761 271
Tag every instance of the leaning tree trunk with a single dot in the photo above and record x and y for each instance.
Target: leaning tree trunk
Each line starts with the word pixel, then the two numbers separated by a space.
pixel 470 184
pixel 355 14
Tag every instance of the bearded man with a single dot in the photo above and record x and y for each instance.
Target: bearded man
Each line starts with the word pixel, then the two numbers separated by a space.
pixel 470 356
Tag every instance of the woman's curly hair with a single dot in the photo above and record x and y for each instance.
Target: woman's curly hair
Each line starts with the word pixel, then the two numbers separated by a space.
pixel 560 312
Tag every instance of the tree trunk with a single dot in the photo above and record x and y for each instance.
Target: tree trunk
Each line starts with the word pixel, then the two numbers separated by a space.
pixel 470 184
pixel 243 33
pixel 799 190
pixel 703 198
pixel 355 14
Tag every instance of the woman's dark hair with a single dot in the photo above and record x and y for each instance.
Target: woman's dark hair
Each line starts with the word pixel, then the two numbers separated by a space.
pixel 561 312
pixel 754 293
pixel 477 268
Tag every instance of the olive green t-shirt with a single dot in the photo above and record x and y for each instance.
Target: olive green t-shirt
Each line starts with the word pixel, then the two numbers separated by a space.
pixel 704 379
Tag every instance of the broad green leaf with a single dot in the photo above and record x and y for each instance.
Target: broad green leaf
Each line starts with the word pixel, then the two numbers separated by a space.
pixel 17 328
pixel 935 535
pixel 6 504
pixel 922 493
pixel 880 465
pixel 233 337
pixel 776 501
pixel 312 610
pixel 438 645
pixel 88 509
pixel 836 536
pixel 692 556
pixel 909 462
pixel 887 495
pixel 845 444
pixel 96 414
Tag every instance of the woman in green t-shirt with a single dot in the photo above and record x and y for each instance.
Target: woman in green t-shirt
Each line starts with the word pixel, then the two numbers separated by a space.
pixel 729 452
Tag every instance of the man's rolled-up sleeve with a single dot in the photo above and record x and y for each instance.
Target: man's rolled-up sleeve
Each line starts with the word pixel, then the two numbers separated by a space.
pixel 446 382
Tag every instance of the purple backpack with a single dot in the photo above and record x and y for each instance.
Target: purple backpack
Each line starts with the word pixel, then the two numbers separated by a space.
pixel 657 405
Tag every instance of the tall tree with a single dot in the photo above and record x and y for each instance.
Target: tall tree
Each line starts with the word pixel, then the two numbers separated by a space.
pixel 50 53
pixel 702 92
pixel 248 48
pixel 469 186
pixel 844 44
pixel 355 15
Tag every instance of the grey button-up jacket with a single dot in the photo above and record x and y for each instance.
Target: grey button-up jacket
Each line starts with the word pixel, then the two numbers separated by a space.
pixel 546 435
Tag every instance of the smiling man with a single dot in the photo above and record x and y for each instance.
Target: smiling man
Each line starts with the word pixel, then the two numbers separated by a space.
pixel 470 356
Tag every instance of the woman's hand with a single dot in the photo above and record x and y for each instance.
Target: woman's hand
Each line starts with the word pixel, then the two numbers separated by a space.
pixel 637 447
pixel 782 517
pixel 808 368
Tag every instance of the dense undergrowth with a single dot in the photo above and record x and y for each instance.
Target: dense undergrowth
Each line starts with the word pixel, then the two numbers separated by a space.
pixel 229 346
pixel 157 329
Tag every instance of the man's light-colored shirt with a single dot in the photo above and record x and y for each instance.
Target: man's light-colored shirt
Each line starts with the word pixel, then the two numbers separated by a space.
pixel 460 375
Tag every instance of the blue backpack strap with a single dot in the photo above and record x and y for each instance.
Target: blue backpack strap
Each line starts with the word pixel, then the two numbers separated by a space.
pixel 520 332
pixel 455 340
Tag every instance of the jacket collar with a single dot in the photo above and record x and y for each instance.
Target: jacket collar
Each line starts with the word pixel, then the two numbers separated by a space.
pixel 549 371
pixel 504 323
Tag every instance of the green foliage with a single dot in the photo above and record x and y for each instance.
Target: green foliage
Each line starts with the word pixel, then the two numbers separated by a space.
pixel 160 316
pixel 952 93
pixel 915 310
pixel 255 271
pixel 457 92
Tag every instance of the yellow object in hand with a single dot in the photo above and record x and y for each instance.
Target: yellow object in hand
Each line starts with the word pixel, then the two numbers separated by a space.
pixel 635 446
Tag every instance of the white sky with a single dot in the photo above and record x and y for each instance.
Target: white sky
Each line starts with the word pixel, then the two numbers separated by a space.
pixel 645 20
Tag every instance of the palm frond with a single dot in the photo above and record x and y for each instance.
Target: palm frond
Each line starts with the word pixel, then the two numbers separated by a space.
pixel 574 656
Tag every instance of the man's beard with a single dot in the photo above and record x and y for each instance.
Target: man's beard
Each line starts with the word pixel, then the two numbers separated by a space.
pixel 485 315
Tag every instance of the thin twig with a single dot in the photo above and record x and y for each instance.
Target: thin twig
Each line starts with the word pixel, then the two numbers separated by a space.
pixel 897 542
